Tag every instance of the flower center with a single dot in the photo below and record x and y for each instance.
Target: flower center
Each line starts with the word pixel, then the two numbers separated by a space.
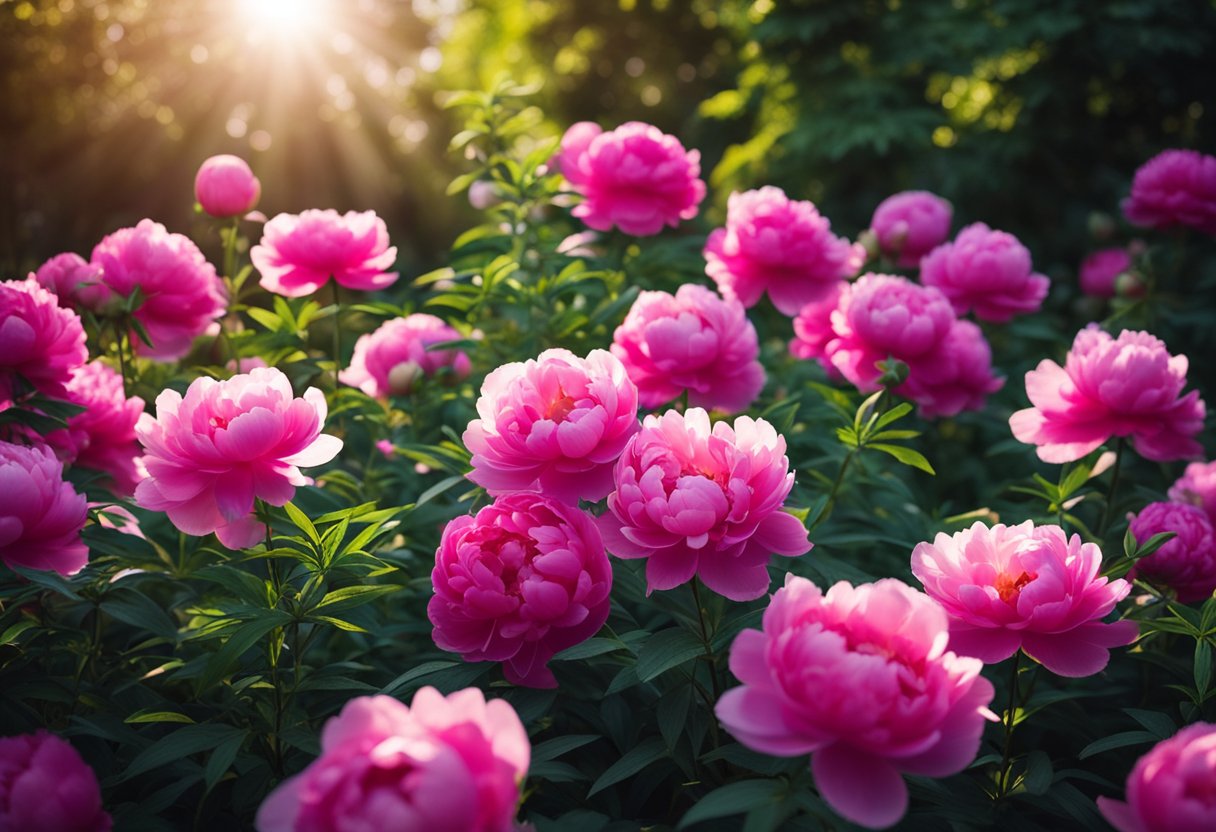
pixel 1009 588
pixel 219 423
pixel 559 409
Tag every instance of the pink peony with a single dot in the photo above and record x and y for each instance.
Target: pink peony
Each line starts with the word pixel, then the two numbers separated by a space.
pixel 1197 486
pixel 813 328
pixel 46 787
pixel 1129 386
pixel 226 187
pixel 1175 187
pixel 1100 271
pixel 1186 563
pixel 524 578
pixel 74 280
pixel 985 271
pixel 774 244
pixel 860 679
pixel 103 436
pixel 955 376
pixel 1011 587
pixel 910 224
pixel 182 295
pixel 1172 788
pixel 40 342
pixel 695 342
pixel 299 253
pixel 227 443
pixel 41 515
pixel 554 424
pixel 442 764
pixel 389 360
pixel 707 502
pixel 636 177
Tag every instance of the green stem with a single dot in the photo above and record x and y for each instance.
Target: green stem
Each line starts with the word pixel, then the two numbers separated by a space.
pixel 274 648
pixel 337 332
pixel 1003 784
pixel 122 338
pixel 836 483
pixel 1108 512
pixel 709 653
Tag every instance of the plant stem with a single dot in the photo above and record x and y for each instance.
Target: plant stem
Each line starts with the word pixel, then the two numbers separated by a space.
pixel 1108 512
pixel 1003 783
pixel 337 331
pixel 121 338
pixel 709 655
pixel 274 648
pixel 831 503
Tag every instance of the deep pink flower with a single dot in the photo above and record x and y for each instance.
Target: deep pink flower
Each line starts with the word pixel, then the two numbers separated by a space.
pixel 1186 563
pixel 955 376
pixel 636 177
pixel 1101 269
pixel 860 679
pixel 524 578
pixel 211 453
pixel 1197 486
pixel 693 341
pixel 182 295
pixel 39 341
pixel 910 224
pixel 298 254
pixel 554 424
pixel 442 764
pixel 389 360
pixel 1175 187
pixel 41 515
pixel 707 502
pixel 1172 788
pixel 74 280
pixel 1011 587
pixel 813 328
pixel 985 271
pixel 226 187
pixel 1125 386
pixel 46 787
pixel 775 244
pixel 103 436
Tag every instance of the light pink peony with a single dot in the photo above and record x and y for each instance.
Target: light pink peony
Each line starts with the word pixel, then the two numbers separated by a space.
pixel 40 342
pixel 707 502
pixel 1175 187
pixel 389 360
pixel 1100 271
pixel 693 341
pixel 226 187
pixel 953 377
pixel 985 271
pixel 211 453
pixel 1172 788
pixel 1129 386
pixel 554 424
pixel 41 515
pixel 1186 563
pixel 636 177
pixel 46 787
pixel 182 295
pixel 1197 486
pixel 442 764
pixel 74 280
pixel 860 679
pixel 524 578
pixel 775 244
pixel 299 253
pixel 103 436
pixel 910 224
pixel 1011 587
pixel 813 328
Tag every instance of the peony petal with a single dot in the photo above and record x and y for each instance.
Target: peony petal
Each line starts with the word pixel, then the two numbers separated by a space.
pixel 1082 651
pixel 860 787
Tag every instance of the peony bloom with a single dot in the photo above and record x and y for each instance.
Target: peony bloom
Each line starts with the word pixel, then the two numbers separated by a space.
pixel 1125 386
pixel 860 679
pixel 955 376
pixel 1186 563
pixel 985 271
pixel 39 341
pixel 389 360
pixel 778 245
pixel 299 253
pixel 1175 187
pixel 46 787
pixel 813 328
pixel 41 515
pixel 74 280
pixel 524 578
pixel 226 443
pixel 707 502
pixel 1197 486
pixel 1011 587
pixel 695 342
pixel 442 764
pixel 554 424
pixel 182 295
pixel 636 177
pixel 226 187
pixel 910 224
pixel 103 436
pixel 1100 271
pixel 1172 788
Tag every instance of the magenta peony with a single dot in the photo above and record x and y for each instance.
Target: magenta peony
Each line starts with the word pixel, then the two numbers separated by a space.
pixel 910 224
pixel 707 502
pixel 40 342
pixel 813 328
pixel 860 679
pixel 524 578
pixel 41 515
pixel 103 436
pixel 1126 386
pixel 554 424
pixel 985 271
pixel 46 787
pixel 1197 486
pixel 182 295
pixel 298 254
pixel 1011 587
pixel 442 764
pixel 775 244
pixel 226 187
pixel 389 360
pixel 695 342
pixel 1186 563
pixel 227 443
pixel 636 177
pixel 74 280
pixel 1100 271
pixel 1172 788
pixel 1175 187
pixel 955 376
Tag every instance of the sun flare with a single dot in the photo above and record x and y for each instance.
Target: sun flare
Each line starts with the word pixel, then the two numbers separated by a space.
pixel 284 18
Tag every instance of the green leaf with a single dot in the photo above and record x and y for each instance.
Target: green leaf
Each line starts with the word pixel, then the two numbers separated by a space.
pixel 265 317
pixel 301 521
pixel 339 623
pixel 1153 544
pixel 634 760
pixel 158 716
pixel 179 744
pixel 590 648
pixel 1122 740
pixel 732 799
pixel 556 747
pixel 424 669
pixel 1039 772
pixel 1203 667
pixel 245 587
pixel 139 611
pixel 907 456
pixel 667 649
pixel 221 760
pixel 47 580
pixel 896 413
pixel 349 597
pixel 244 638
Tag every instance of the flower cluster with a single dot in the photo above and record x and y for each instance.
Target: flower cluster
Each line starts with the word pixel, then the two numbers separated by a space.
pixel 1174 188
pixel 910 224
pixel 986 272
pixel 45 786
pixel 1187 562
pixel 299 253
